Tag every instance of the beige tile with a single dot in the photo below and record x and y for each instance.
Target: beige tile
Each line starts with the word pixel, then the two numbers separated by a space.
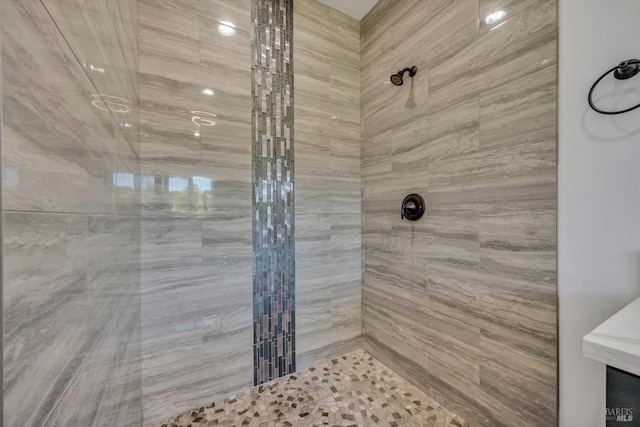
pixel 450 236
pixel 182 312
pixel 453 25
pixel 168 135
pixel 523 174
pixel 169 29
pixel 454 351
pixel 520 112
pixel 181 124
pixel 384 29
pixel 44 310
pixel 527 44
pixel 103 37
pixel 530 381
pixel 477 140
pixel 327 141
pixel 227 145
pixel 196 185
pixel 70 200
pixel 439 135
pixel 64 160
pixel 509 7
pixel 522 243
pixel 216 50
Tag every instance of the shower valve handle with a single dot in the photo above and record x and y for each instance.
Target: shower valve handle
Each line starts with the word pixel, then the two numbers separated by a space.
pixel 412 207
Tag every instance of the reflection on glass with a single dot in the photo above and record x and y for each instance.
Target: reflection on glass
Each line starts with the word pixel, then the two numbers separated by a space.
pixel 125 188
pixel 178 194
pixel 203 118
pixel 126 180
pixel 111 103
pixel 204 184
pixel 178 184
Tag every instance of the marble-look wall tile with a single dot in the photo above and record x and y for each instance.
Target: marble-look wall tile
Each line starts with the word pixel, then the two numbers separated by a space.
pixel 223 51
pixel 42 275
pixel 196 285
pixel 509 7
pixel 72 344
pixel 437 136
pixel 451 236
pixel 71 225
pixel 196 204
pixel 527 43
pixel 463 302
pixel 195 343
pixel 530 104
pixel 327 121
pixel 103 36
pixel 169 30
pixel 510 177
pixel 525 376
pixel 110 371
pixel 520 243
pixel 59 151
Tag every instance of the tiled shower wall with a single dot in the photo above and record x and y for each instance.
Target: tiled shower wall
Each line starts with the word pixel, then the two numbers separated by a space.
pixel 71 225
pixel 463 302
pixel 71 156
pixel 197 303
pixel 197 307
pixel 327 140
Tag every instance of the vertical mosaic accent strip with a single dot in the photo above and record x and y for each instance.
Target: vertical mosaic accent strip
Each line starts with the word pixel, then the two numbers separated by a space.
pixel 273 197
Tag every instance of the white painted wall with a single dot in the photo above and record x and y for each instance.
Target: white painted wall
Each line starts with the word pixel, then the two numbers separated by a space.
pixel 354 8
pixel 599 193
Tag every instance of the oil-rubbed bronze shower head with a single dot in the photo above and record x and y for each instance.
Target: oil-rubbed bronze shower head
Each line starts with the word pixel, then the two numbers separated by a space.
pixel 398 80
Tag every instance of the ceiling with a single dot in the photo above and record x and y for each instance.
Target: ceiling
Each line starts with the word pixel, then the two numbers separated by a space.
pixel 355 8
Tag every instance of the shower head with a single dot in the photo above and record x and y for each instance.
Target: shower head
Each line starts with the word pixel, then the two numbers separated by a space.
pixel 397 79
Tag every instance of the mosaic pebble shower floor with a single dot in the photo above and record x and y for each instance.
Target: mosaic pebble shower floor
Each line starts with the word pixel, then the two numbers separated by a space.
pixel 353 390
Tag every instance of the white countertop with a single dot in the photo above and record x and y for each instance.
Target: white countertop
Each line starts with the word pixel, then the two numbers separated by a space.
pixel 617 341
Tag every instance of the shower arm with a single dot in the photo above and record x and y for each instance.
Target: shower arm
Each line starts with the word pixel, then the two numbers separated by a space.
pixel 411 71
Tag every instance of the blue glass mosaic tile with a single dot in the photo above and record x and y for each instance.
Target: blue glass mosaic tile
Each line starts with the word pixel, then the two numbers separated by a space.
pixel 273 190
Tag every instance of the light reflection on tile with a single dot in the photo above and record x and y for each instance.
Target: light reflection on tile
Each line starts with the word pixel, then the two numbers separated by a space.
pixel 104 37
